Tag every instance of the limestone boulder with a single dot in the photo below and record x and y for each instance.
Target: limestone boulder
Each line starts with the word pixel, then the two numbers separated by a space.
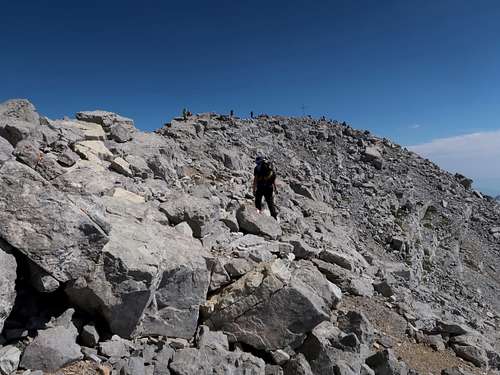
pixel 330 351
pixel 105 119
pixel 199 213
pixel 20 109
pixel 212 356
pixel 120 133
pixel 5 150
pixel 15 130
pixel 150 279
pixel 8 266
pixel 93 151
pixel 9 359
pixel 54 347
pixel 90 131
pixel 253 222
pixel 273 306
pixel 45 225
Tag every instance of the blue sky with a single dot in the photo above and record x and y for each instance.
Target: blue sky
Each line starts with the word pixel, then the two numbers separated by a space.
pixel 413 71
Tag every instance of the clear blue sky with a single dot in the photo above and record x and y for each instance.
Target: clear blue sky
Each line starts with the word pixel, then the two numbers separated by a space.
pixel 410 70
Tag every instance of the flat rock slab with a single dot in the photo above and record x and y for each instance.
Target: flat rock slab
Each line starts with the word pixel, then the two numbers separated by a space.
pixel 91 131
pixel 93 151
pixel 105 119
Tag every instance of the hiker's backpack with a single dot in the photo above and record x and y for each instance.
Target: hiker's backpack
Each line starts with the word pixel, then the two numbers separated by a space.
pixel 265 172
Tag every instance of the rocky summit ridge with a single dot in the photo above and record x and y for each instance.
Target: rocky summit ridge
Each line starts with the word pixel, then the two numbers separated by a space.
pixel 142 253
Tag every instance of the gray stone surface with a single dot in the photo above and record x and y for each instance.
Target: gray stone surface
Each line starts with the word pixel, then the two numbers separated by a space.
pixel 15 131
pixel 385 362
pixel 150 279
pixel 327 353
pixel 52 349
pixel 120 133
pixel 89 336
pixel 41 280
pixel 357 323
pixel 10 357
pixel 8 276
pixel 134 366
pixel 5 150
pixel 116 347
pixel 207 361
pixel 162 361
pixel 105 119
pixel 199 213
pixel 273 306
pixel 297 365
pixel 379 215
pixel 250 221
pixel 43 224
pixel 20 109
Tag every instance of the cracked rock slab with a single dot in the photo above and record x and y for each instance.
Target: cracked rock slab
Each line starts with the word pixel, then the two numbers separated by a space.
pixel 45 225
pixel 273 306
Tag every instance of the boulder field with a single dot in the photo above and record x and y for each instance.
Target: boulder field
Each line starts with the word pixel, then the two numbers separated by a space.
pixel 137 253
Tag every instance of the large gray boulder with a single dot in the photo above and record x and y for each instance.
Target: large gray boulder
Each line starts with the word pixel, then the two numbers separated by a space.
pixel 330 351
pixel 15 130
pixel 297 365
pixel 253 222
pixel 5 150
pixel 45 225
pixel 9 359
pixel 54 347
pixel 386 363
pixel 174 309
pixel 20 109
pixel 120 133
pixel 273 306
pixel 208 361
pixel 150 279
pixel 105 119
pixel 8 277
pixel 199 213
pixel 212 356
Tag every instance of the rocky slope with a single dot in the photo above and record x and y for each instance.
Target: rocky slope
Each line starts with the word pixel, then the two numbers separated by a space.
pixel 142 252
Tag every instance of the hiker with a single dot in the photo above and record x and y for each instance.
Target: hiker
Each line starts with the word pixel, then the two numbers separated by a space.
pixel 184 114
pixel 251 114
pixel 231 113
pixel 264 185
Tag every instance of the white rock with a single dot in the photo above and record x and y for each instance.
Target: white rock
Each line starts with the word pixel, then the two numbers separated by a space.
pixel 93 151
pixel 9 359
pixel 127 195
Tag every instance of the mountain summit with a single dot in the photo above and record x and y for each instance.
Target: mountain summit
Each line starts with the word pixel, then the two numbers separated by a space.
pixel 143 252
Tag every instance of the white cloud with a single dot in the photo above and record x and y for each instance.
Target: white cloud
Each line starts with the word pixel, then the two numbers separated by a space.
pixel 415 126
pixel 475 155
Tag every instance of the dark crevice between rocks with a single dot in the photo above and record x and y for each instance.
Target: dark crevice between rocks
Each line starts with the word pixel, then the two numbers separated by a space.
pixel 265 355
pixel 32 309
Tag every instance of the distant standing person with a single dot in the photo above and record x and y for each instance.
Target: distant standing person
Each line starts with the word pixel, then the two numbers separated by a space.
pixel 264 185
pixel 231 113
pixel 251 114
